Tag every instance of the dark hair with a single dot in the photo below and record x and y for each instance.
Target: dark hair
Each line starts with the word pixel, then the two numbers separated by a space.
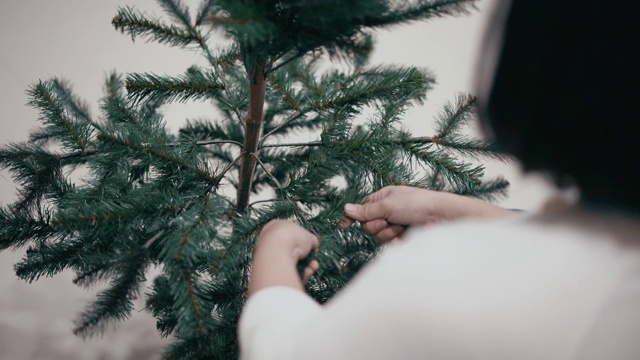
pixel 564 97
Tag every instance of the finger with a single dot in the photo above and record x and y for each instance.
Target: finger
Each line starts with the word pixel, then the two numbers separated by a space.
pixel 311 269
pixel 305 245
pixel 315 243
pixel 345 222
pixel 375 226
pixel 378 195
pixel 366 212
pixel 388 234
pixel 314 265
pixel 307 275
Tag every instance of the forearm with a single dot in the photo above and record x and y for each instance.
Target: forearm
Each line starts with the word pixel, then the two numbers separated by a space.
pixel 467 207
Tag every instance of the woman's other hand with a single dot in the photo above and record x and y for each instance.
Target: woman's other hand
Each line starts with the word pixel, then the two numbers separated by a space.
pixel 386 213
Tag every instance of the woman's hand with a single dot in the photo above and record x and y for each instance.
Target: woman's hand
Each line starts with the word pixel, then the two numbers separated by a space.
pixel 280 246
pixel 386 213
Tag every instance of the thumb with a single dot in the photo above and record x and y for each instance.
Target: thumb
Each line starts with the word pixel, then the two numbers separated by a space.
pixel 366 212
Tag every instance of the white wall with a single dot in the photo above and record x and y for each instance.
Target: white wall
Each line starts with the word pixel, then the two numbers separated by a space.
pixel 74 39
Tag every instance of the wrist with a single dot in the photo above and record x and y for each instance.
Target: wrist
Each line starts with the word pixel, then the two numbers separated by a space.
pixel 273 267
pixel 456 206
pixel 481 209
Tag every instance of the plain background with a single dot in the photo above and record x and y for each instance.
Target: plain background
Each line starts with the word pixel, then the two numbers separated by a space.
pixel 74 39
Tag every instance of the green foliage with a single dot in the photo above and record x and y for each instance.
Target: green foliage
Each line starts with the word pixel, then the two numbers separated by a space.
pixel 195 85
pixel 149 198
pixel 136 23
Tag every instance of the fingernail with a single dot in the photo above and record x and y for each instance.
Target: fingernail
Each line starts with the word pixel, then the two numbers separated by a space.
pixel 350 208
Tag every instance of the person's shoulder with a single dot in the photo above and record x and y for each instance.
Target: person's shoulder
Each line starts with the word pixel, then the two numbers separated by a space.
pixel 528 280
pixel 562 232
pixel 539 260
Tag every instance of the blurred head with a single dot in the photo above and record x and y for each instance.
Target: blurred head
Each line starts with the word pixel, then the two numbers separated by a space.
pixel 558 89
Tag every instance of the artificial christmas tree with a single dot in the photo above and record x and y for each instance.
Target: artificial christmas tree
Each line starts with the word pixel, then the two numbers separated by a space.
pixel 182 202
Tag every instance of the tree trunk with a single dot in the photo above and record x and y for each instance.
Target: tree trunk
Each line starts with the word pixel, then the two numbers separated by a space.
pixel 252 133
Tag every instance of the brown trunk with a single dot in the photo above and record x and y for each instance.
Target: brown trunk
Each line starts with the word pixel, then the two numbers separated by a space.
pixel 252 133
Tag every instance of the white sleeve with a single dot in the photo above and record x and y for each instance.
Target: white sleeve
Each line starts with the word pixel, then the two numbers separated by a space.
pixel 283 323
pixel 270 320
pixel 470 292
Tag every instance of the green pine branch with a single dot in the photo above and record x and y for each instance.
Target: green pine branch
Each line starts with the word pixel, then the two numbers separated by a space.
pixel 434 181
pixel 36 170
pixel 19 228
pixel 75 212
pixel 178 11
pixel 48 259
pixel 464 175
pixel 137 24
pixel 245 21
pixel 375 84
pixel 114 86
pixel 73 134
pixel 472 148
pixel 160 303
pixel 454 117
pixel 204 11
pixel 181 250
pixel 404 12
pixel 196 84
pixel 78 108
pixel 225 57
pixel 162 152
pixel 489 190
pixel 96 269
pixel 116 302
pixel 284 88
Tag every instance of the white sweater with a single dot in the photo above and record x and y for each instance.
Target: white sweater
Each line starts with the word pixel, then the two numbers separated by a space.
pixel 562 285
